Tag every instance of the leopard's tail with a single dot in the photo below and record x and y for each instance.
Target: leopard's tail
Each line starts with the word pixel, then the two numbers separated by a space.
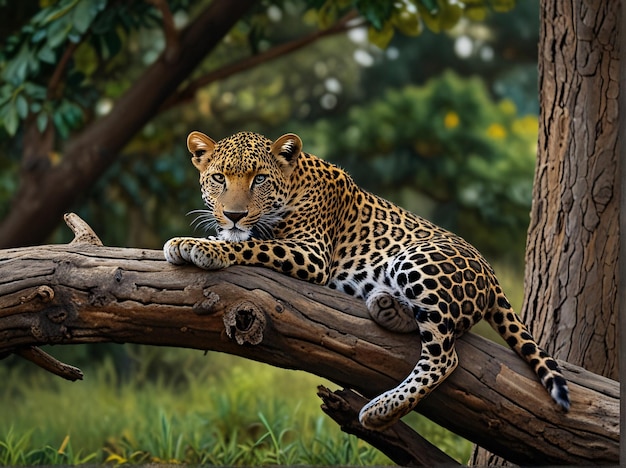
pixel 506 322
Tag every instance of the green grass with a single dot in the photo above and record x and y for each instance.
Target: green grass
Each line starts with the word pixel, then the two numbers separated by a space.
pixel 216 409
pixel 229 412
pixel 181 406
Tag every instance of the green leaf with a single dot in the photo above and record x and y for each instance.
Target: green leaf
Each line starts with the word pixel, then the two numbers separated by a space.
pixel 376 12
pixel 327 14
pixel 35 91
pixel 21 104
pixel 39 35
pixel 73 36
pixel 83 15
pixel 112 43
pixel 408 23
pixel 60 125
pixel 429 18
pixel 58 32
pixel 17 68
pixel 450 15
pixel 380 38
pixel 11 119
pixel 476 10
pixel 85 59
pixel 46 54
pixel 42 122
pixel 445 17
pixel 6 93
pixel 58 10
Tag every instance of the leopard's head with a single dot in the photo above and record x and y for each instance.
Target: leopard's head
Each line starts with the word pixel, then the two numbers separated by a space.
pixel 245 181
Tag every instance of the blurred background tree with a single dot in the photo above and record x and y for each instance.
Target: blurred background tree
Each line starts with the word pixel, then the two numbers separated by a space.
pixel 444 124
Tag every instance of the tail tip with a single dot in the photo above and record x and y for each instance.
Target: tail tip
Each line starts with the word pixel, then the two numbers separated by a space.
pixel 560 394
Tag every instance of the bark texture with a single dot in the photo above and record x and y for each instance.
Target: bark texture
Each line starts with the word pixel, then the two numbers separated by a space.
pixel 573 240
pixel 84 293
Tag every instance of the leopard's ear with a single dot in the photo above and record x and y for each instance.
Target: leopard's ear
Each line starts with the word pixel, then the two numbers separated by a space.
pixel 201 147
pixel 286 150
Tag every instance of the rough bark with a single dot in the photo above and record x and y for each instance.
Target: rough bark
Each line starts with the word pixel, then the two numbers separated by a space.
pixel 573 240
pixel 84 293
pixel 572 276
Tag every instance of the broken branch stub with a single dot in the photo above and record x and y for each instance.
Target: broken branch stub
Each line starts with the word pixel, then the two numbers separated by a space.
pixel 83 234
pixel 47 362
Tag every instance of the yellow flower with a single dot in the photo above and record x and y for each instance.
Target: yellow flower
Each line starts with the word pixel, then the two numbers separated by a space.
pixel 507 106
pixel 451 120
pixel 496 131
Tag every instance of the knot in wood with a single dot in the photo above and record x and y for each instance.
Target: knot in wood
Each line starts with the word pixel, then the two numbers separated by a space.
pixel 37 331
pixel 57 315
pixel 206 306
pixel 245 322
pixel 45 293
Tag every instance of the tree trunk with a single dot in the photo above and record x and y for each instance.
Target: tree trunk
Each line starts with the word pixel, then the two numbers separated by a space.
pixel 571 279
pixel 45 193
pixel 573 240
pixel 85 293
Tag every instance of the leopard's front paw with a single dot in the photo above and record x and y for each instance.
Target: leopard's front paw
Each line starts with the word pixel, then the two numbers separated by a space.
pixel 174 254
pixel 203 253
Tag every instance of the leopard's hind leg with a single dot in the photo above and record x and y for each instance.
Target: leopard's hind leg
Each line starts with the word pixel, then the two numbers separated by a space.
pixel 437 360
pixel 408 302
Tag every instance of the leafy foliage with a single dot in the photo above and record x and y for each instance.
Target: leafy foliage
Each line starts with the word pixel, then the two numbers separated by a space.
pixel 409 16
pixel 46 44
pixel 58 38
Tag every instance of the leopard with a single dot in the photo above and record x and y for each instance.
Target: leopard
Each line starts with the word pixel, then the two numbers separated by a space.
pixel 273 205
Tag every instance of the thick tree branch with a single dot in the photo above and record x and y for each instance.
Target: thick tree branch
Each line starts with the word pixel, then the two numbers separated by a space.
pixel 102 294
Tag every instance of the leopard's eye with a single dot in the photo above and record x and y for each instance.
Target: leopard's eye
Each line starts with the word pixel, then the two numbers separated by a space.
pixel 259 179
pixel 217 177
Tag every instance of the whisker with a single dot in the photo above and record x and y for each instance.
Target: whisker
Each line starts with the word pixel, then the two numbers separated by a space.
pixel 264 228
pixel 204 220
pixel 202 211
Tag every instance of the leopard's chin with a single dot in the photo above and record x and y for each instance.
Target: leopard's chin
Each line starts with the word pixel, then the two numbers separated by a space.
pixel 235 234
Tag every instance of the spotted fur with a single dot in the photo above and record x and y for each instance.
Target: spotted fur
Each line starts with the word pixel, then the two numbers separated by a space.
pixel 278 207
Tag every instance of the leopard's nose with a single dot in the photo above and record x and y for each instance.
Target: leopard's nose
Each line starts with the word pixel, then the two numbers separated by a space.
pixel 235 216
